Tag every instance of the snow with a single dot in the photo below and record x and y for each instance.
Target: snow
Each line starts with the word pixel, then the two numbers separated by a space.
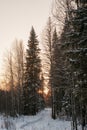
pixel 42 121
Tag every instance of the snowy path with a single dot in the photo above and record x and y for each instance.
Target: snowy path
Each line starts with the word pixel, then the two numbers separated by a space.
pixel 31 122
pixel 44 122
pixel 42 116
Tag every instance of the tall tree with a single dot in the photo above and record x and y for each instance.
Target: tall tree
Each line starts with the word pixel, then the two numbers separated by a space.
pixel 13 77
pixel 59 80
pixel 53 72
pixel 9 74
pixel 18 54
pixel 48 54
pixel 32 75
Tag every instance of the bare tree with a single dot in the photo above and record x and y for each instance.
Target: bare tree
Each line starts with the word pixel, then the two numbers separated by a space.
pixel 10 79
pixel 18 53
pixel 47 41
pixel 14 72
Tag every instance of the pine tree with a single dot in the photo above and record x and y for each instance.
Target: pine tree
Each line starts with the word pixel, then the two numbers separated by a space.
pixel 32 75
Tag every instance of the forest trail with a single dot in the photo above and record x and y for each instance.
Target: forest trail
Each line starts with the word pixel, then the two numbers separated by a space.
pixel 43 116
pixel 43 121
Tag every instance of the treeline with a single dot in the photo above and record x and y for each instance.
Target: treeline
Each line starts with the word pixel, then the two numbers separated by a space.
pixel 22 79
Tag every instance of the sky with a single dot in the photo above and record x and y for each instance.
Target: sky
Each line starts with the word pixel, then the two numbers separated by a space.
pixel 16 19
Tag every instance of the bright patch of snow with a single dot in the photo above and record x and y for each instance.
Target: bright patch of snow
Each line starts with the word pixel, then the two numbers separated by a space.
pixel 42 121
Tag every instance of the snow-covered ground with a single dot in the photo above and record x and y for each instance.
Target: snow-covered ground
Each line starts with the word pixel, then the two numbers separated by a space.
pixel 42 121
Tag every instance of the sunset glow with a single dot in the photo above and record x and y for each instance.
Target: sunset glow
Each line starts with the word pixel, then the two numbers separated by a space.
pixel 46 90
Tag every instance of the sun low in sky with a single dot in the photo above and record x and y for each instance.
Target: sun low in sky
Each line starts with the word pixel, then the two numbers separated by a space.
pixel 16 19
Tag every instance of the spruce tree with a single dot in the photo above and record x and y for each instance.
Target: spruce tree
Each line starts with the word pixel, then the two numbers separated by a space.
pixel 32 75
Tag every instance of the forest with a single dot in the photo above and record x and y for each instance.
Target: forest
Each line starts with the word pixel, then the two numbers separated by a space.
pixel 54 76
